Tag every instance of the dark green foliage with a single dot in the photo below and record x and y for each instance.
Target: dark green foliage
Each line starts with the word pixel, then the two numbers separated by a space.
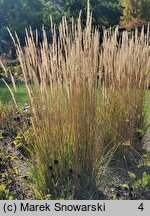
pixel 50 10
pixel 105 12
pixel 19 14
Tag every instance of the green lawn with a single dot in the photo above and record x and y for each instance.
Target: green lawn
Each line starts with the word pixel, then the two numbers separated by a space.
pixel 6 97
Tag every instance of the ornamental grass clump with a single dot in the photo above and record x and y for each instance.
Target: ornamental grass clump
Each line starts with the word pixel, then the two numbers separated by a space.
pixel 86 99
pixel 126 63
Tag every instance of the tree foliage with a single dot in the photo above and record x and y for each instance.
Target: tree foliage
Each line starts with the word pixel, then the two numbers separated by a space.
pixel 105 12
pixel 49 11
pixel 19 14
pixel 135 11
